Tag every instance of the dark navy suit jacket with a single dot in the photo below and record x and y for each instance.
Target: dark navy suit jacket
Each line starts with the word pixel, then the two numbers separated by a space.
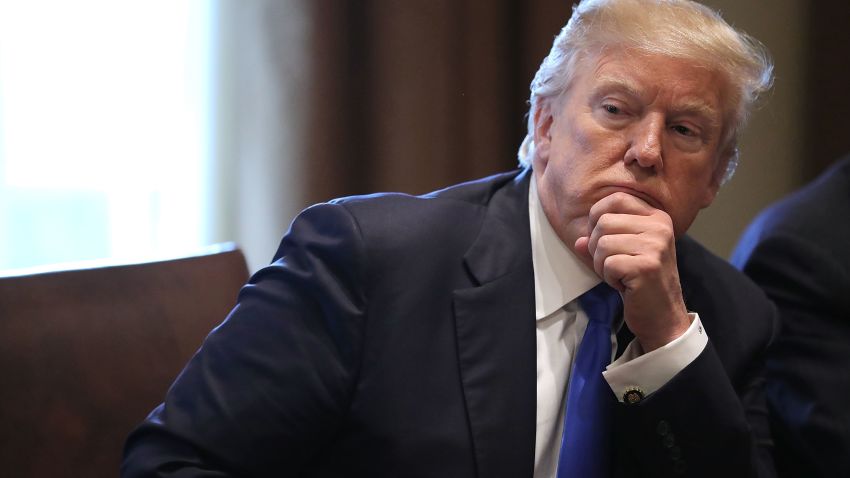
pixel 798 250
pixel 394 336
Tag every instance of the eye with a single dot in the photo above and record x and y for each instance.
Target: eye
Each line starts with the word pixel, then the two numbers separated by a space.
pixel 683 130
pixel 611 109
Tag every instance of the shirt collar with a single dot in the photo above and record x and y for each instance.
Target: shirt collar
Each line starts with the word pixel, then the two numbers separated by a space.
pixel 559 276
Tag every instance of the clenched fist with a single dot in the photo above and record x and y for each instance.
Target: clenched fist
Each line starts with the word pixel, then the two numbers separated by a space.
pixel 632 247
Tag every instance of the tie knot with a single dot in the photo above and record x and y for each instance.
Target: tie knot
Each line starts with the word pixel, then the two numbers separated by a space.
pixel 602 303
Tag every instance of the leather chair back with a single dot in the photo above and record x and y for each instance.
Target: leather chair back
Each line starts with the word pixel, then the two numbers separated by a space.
pixel 85 354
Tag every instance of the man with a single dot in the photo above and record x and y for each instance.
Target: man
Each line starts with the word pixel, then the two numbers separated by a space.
pixel 447 335
pixel 796 250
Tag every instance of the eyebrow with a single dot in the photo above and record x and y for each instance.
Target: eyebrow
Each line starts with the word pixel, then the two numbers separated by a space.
pixel 608 83
pixel 687 107
pixel 698 108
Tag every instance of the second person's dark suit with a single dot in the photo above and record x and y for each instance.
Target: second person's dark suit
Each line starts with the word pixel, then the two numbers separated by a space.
pixel 798 251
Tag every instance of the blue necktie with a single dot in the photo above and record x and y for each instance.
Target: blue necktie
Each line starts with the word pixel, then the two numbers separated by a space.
pixel 585 445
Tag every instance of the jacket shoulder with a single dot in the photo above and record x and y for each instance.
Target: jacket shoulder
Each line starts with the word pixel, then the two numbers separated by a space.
pixel 452 211
pixel 814 214
pixel 474 192
pixel 440 225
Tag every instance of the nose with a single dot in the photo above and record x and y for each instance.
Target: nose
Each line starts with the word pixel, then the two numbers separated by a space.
pixel 645 144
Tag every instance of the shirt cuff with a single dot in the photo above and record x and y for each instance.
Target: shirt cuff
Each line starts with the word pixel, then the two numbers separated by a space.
pixel 649 372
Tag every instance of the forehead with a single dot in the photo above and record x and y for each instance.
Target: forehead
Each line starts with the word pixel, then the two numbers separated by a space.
pixel 674 83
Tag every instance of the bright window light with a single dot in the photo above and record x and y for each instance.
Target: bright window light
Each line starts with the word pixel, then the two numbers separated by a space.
pixel 104 121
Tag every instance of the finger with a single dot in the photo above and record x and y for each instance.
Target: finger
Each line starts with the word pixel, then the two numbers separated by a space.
pixel 635 257
pixel 634 273
pixel 648 247
pixel 613 223
pixel 618 203
pixel 607 246
pixel 632 244
pixel 581 249
pixel 613 271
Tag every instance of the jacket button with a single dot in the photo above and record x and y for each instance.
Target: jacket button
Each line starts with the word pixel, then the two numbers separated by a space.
pixel 662 428
pixel 675 453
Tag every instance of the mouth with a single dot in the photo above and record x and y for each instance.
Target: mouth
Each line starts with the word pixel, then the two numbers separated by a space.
pixel 636 192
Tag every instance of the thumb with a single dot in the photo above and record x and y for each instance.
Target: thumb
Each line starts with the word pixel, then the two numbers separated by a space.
pixel 582 248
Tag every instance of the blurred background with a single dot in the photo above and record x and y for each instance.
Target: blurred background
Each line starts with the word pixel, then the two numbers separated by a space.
pixel 132 130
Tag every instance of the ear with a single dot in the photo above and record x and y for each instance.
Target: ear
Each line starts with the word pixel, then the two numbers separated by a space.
pixel 543 121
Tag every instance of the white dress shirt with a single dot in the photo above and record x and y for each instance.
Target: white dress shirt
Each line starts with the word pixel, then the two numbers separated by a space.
pixel 559 279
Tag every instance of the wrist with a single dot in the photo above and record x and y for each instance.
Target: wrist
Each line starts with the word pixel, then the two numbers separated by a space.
pixel 658 339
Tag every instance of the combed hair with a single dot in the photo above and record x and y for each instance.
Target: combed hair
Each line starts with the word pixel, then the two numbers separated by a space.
pixel 680 29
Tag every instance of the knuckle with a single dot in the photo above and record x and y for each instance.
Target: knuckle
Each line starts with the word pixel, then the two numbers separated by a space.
pixel 658 244
pixel 603 224
pixel 613 264
pixel 664 221
pixel 645 266
pixel 667 228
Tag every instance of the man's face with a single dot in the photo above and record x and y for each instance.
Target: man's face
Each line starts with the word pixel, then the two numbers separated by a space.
pixel 650 126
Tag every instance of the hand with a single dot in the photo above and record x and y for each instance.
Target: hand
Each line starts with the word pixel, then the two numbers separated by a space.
pixel 632 247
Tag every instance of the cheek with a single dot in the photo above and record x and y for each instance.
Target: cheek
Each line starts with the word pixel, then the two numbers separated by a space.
pixel 688 200
pixel 690 170
pixel 586 136
pixel 572 145
pixel 601 146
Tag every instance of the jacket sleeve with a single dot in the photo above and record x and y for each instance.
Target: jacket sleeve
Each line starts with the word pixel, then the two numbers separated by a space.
pixel 710 419
pixel 697 425
pixel 269 386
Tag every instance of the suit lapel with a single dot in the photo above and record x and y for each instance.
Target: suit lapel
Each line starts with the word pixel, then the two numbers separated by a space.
pixel 496 337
